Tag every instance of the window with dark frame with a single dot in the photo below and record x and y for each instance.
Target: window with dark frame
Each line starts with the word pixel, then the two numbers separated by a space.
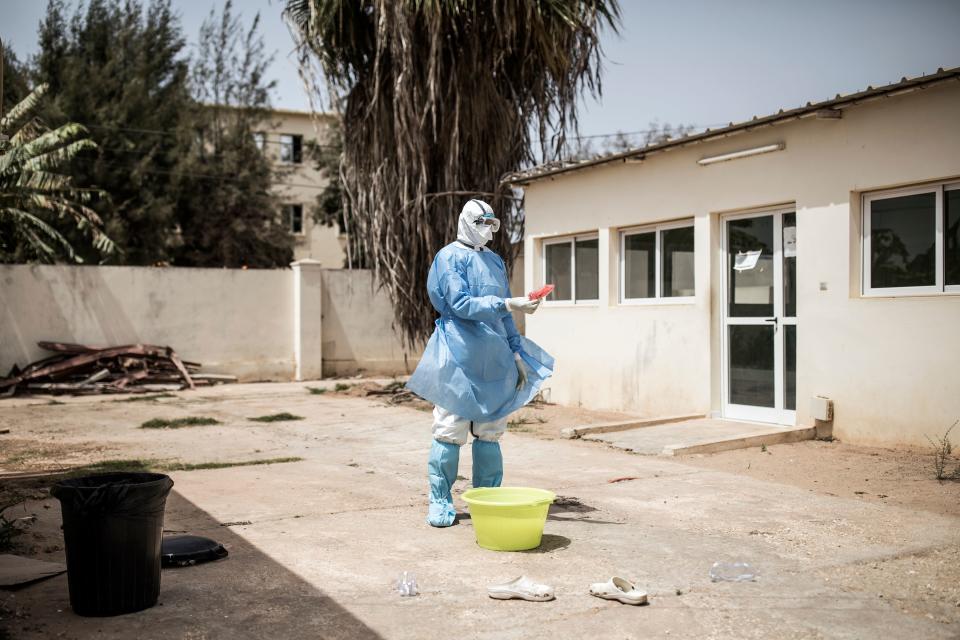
pixel 297 149
pixel 291 149
pixel 293 218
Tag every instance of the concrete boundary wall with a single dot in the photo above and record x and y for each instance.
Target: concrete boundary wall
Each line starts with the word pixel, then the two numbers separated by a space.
pixel 269 324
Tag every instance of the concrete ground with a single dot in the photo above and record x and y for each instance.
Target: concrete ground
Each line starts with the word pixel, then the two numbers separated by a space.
pixel 315 545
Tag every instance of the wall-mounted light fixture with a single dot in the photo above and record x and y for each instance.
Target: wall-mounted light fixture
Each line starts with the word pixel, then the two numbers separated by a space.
pixel 746 153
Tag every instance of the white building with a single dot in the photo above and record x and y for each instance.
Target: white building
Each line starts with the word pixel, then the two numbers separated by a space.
pixel 744 271
pixel 285 138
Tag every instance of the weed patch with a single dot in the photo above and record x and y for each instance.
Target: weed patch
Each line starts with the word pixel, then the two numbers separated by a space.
pixel 277 417
pixel 25 456
pixel 519 425
pixel 187 466
pixel 115 466
pixel 147 398
pixel 942 454
pixel 342 387
pixel 178 423
pixel 316 391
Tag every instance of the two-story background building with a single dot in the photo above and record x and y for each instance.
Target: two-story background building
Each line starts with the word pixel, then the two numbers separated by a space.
pixel 284 137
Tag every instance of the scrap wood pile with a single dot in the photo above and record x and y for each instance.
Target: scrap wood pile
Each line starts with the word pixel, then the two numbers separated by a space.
pixel 133 368
pixel 395 393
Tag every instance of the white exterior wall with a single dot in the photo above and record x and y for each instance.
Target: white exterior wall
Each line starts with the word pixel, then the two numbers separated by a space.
pixel 358 331
pixel 301 184
pixel 245 323
pixel 889 364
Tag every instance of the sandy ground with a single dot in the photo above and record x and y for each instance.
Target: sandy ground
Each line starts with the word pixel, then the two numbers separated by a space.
pixel 925 583
pixel 316 544
pixel 901 477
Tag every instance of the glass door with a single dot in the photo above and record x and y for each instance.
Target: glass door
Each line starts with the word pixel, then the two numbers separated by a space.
pixel 760 317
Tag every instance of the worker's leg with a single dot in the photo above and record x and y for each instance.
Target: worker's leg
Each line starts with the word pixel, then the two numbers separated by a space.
pixel 449 434
pixel 487 459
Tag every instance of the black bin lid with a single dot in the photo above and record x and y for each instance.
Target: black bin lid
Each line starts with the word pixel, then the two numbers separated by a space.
pixel 183 551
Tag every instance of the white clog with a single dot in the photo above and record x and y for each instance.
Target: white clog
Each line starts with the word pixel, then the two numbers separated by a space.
pixel 522 588
pixel 620 590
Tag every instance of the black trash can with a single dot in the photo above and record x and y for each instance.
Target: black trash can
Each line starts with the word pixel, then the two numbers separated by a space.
pixel 112 529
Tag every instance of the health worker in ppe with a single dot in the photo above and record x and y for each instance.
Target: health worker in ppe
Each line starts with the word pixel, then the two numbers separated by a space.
pixel 477 368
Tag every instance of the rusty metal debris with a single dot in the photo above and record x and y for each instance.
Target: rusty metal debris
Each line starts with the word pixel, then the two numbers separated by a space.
pixel 82 369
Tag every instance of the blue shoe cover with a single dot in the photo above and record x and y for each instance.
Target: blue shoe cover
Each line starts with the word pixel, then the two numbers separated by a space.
pixel 441 515
pixel 487 464
pixel 442 471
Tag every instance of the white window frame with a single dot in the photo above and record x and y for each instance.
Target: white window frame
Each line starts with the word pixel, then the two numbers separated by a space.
pixel 949 186
pixel 658 297
pixel 939 287
pixel 571 241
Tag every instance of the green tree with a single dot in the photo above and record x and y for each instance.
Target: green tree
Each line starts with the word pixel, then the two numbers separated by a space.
pixel 439 102
pixel 15 84
pixel 331 206
pixel 229 215
pixel 118 68
pixel 34 191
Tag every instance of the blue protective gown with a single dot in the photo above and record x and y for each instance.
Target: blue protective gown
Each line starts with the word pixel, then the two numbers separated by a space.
pixel 468 366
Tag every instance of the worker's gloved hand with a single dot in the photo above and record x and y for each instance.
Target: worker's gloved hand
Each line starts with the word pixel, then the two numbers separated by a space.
pixel 522 304
pixel 521 371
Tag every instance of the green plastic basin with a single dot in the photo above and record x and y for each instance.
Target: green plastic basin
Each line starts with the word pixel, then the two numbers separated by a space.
pixel 508 518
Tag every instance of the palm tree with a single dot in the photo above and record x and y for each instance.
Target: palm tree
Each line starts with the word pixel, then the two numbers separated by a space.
pixel 439 100
pixel 34 188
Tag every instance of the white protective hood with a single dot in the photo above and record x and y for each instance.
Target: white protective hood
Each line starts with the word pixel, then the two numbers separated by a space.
pixel 469 231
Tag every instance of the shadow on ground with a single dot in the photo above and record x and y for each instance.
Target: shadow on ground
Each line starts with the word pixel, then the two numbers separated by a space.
pixel 550 542
pixel 246 595
pixel 570 505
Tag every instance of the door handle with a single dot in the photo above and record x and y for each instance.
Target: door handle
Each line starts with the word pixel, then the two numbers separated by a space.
pixel 773 320
pixel 776 327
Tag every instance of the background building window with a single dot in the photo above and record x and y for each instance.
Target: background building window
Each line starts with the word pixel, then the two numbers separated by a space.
pixel 559 261
pixel 903 237
pixel 678 264
pixel 951 236
pixel 259 139
pixel 657 262
pixel 640 265
pixel 291 149
pixel 293 218
pixel 573 266
pixel 911 240
pixel 587 269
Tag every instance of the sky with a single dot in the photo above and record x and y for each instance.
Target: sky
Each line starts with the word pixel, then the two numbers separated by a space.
pixel 693 62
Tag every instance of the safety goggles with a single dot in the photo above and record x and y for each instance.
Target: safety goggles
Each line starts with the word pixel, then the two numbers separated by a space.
pixel 490 222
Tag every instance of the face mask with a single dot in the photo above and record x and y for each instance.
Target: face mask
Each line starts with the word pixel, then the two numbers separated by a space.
pixel 485 231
